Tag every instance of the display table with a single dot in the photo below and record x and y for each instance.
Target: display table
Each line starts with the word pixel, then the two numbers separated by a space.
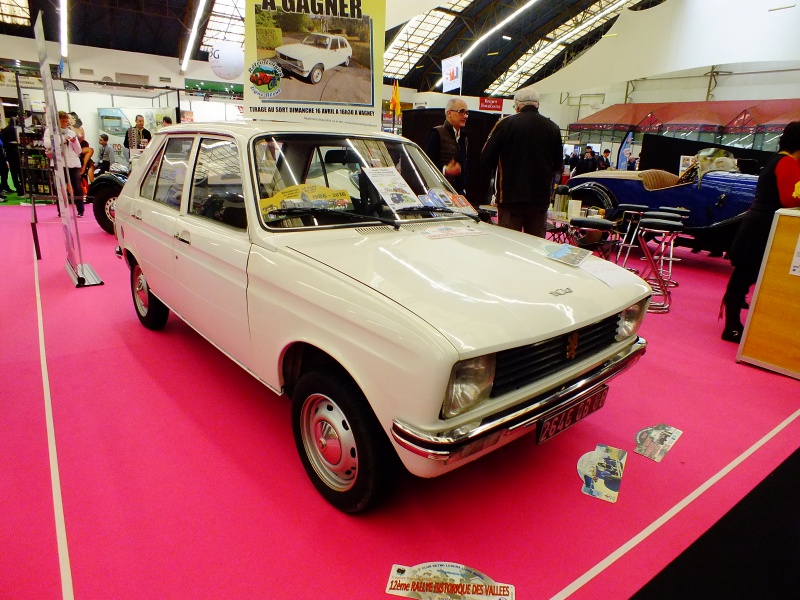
pixel 772 333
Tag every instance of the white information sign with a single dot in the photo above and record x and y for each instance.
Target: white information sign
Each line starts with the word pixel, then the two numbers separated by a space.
pixel 451 73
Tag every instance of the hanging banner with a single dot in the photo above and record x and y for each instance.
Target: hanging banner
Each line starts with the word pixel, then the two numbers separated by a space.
pixel 451 73
pixel 625 152
pixel 314 61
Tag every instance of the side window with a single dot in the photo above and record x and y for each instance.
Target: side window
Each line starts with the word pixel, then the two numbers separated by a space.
pixel 217 190
pixel 149 183
pixel 172 175
pixel 335 44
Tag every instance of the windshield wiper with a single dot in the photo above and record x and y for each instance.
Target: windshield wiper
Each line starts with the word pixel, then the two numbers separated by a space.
pixel 439 209
pixel 329 211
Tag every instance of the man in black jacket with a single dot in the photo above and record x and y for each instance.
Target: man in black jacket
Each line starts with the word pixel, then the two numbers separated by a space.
pixel 527 152
pixel 447 144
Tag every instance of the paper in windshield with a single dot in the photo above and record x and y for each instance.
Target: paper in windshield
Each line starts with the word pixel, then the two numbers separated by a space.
pixel 392 187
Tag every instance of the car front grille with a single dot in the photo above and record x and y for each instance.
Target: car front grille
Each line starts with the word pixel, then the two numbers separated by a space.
pixel 518 367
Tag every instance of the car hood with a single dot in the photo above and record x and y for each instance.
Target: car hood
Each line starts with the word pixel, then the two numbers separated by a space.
pixel 299 51
pixel 486 291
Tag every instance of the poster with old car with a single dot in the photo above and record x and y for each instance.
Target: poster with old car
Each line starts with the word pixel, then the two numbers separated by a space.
pixel 314 61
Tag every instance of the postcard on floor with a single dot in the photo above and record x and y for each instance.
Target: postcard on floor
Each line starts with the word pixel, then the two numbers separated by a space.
pixel 601 471
pixel 655 442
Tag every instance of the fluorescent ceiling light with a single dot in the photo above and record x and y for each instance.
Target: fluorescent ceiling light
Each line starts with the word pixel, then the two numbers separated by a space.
pixel 193 36
pixel 63 19
pixel 492 31
pixel 506 37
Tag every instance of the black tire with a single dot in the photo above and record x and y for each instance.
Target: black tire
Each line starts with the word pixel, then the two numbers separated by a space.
pixel 151 311
pixel 341 445
pixel 346 62
pixel 315 76
pixel 103 206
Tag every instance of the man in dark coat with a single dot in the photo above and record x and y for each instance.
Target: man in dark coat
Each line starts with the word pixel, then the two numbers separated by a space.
pixel 603 162
pixel 447 144
pixel 527 151
pixel 587 164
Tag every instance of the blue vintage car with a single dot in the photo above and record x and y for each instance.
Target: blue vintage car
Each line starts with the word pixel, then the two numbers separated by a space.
pixel 716 199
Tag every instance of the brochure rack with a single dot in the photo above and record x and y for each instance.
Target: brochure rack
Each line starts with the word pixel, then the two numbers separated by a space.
pixel 37 175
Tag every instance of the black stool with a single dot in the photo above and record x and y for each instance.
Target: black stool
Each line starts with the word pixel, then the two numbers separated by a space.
pixel 631 214
pixel 654 275
pixel 682 212
pixel 595 234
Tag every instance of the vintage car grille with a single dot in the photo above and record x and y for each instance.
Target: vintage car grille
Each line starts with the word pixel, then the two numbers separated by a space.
pixel 288 60
pixel 521 366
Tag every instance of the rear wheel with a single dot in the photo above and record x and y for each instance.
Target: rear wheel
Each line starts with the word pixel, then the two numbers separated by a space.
pixel 103 206
pixel 151 311
pixel 340 442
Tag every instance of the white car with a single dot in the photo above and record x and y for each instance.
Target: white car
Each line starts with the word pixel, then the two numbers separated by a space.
pixel 314 55
pixel 405 330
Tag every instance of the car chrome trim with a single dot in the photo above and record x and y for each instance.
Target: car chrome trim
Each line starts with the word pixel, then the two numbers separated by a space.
pixel 453 445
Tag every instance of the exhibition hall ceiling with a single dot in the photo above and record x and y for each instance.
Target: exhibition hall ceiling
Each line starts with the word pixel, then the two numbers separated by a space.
pixel 505 44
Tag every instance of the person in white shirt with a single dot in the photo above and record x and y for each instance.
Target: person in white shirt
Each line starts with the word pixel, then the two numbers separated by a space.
pixel 72 154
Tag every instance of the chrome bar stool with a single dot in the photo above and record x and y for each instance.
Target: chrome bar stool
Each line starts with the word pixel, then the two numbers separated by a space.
pixel 629 226
pixel 664 253
pixel 595 234
pixel 653 274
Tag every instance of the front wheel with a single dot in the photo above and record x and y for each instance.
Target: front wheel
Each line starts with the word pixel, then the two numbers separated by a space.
pixel 103 206
pixel 343 449
pixel 316 74
pixel 151 311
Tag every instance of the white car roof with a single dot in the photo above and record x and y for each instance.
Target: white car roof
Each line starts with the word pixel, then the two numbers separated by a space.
pixel 248 129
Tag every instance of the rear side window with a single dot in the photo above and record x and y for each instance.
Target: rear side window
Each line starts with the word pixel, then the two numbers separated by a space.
pixel 217 190
pixel 172 175
pixel 149 183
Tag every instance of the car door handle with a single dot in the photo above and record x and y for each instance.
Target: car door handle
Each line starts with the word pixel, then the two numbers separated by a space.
pixel 181 239
pixel 137 215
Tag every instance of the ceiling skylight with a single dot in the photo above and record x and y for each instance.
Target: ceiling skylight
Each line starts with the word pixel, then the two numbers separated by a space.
pixel 226 22
pixel 547 48
pixel 15 12
pixel 417 36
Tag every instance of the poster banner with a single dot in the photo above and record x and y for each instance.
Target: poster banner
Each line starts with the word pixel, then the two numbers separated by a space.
pixel 71 241
pixel 314 61
pixel 624 152
pixel 451 73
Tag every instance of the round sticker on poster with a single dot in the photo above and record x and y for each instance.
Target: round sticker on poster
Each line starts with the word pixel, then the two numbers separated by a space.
pixel 226 60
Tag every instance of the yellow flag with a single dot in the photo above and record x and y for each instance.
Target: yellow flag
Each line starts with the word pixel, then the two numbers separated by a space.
pixel 394 103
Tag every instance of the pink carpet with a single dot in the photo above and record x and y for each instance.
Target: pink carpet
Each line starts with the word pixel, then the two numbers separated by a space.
pixel 180 478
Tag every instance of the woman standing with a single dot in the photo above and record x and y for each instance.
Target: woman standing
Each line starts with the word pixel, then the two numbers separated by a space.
pixel 778 187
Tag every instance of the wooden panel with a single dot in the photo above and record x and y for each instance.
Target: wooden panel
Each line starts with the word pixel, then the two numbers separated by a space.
pixel 772 335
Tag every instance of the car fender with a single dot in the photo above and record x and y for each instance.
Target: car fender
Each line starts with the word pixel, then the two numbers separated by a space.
pixel 107 179
pixel 598 190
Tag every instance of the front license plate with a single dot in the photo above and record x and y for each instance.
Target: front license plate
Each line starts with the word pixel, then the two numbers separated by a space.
pixel 565 419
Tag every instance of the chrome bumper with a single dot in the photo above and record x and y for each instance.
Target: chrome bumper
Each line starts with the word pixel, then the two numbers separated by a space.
pixel 287 66
pixel 459 443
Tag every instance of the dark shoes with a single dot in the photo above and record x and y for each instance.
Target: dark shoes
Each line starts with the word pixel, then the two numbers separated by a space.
pixel 731 334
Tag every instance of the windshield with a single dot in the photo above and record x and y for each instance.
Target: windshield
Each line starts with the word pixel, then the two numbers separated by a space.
pixel 316 40
pixel 312 181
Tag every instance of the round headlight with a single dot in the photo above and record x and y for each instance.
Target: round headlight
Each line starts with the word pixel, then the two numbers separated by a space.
pixel 630 319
